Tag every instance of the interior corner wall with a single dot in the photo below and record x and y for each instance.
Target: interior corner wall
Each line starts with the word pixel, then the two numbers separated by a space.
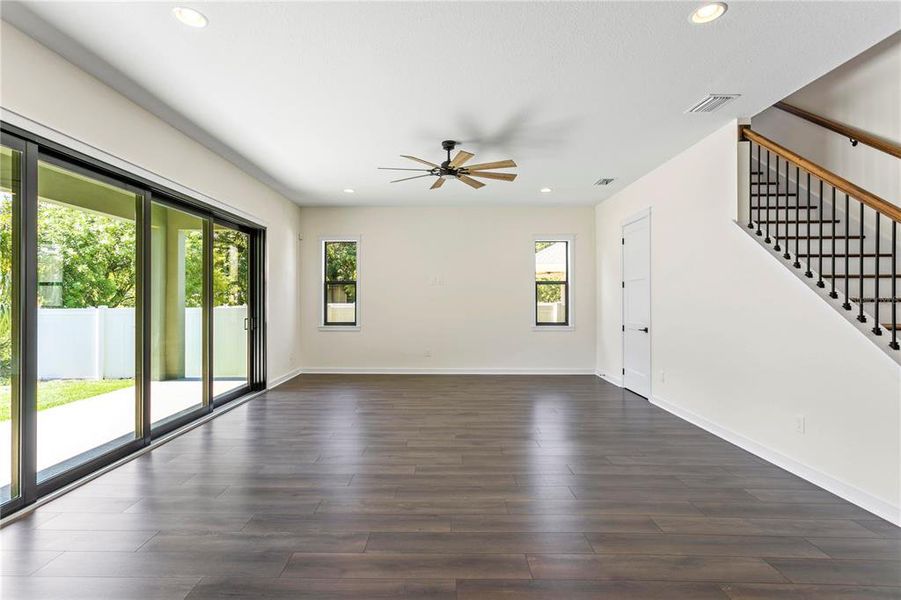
pixel 741 346
pixel 448 290
pixel 44 88
pixel 864 93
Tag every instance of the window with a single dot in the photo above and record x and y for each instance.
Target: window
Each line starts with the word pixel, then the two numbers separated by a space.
pixel 339 283
pixel 552 282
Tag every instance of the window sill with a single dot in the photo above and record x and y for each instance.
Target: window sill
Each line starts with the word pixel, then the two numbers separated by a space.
pixel 339 328
pixel 553 327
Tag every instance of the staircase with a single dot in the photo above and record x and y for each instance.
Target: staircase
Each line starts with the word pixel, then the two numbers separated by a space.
pixel 839 237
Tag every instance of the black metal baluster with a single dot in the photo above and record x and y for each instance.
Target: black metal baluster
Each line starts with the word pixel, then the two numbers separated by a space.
pixel 776 246
pixel 797 263
pixel 833 294
pixel 788 187
pixel 860 316
pixel 808 272
pixel 877 330
pixel 759 197
pixel 847 304
pixel 767 238
pixel 820 283
pixel 894 324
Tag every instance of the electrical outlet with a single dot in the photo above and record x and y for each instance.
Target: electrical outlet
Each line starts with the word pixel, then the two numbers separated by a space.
pixel 662 376
pixel 800 424
pixel 428 353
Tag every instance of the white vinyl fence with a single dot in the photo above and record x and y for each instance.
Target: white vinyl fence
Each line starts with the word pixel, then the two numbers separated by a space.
pixel 551 312
pixel 99 343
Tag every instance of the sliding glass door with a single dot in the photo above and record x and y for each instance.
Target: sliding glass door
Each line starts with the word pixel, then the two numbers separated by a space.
pixel 127 309
pixel 232 320
pixel 10 422
pixel 87 291
pixel 178 308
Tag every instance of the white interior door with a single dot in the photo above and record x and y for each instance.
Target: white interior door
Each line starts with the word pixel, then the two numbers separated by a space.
pixel 637 305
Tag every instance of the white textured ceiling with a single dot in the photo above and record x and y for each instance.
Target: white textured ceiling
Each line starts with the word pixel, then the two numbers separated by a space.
pixel 312 97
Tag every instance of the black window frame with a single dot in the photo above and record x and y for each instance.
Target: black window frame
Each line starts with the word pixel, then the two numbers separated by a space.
pixel 354 282
pixel 565 283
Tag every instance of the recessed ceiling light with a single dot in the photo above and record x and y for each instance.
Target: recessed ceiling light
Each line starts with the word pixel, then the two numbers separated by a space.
pixel 189 16
pixel 545 190
pixel 708 12
pixel 348 191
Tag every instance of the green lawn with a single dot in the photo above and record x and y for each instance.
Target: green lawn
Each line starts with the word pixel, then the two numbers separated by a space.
pixel 63 391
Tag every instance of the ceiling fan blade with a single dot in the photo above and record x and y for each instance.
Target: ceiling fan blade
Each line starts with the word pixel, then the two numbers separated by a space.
pixel 501 164
pixel 437 183
pixel 470 181
pixel 400 169
pixel 490 175
pixel 414 177
pixel 419 160
pixel 461 157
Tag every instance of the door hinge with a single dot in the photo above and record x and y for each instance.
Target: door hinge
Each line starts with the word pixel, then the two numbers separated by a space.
pixel 624 370
pixel 624 285
pixel 624 327
pixel 624 241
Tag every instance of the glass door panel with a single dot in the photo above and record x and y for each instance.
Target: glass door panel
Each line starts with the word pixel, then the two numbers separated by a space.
pixel 231 295
pixel 87 294
pixel 176 319
pixel 10 193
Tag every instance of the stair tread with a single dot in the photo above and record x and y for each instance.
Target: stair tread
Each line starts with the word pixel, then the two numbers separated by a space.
pixel 801 221
pixel 852 255
pixel 774 194
pixel 818 237
pixel 872 300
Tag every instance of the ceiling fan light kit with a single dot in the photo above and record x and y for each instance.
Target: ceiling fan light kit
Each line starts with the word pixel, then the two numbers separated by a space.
pixel 454 168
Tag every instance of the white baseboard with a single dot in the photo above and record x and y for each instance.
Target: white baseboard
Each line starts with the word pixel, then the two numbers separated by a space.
pixel 616 380
pixel 851 493
pixel 283 378
pixel 443 371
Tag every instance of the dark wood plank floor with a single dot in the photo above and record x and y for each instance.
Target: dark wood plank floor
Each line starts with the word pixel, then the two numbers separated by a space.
pixel 449 487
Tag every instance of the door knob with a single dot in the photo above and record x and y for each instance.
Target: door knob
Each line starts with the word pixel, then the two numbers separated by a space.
pixel 645 329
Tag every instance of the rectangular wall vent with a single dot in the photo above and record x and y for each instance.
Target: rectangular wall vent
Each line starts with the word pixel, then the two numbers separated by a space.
pixel 712 102
pixel 604 181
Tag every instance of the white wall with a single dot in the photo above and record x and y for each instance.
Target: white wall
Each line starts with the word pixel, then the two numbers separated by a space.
pixel 743 344
pixel 865 93
pixel 40 86
pixel 456 283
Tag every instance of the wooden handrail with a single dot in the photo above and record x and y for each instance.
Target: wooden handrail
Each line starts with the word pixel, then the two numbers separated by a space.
pixel 840 183
pixel 849 132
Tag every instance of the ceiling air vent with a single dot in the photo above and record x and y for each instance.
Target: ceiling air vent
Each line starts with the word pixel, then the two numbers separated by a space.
pixel 712 102
pixel 604 181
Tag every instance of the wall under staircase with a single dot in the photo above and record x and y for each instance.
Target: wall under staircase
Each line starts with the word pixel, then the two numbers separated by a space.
pixel 741 345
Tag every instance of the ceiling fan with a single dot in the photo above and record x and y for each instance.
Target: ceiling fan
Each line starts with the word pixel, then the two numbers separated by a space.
pixel 453 168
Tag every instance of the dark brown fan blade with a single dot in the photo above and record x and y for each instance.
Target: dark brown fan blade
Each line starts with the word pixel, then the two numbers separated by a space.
pixel 501 164
pixel 490 175
pixel 437 184
pixel 419 160
pixel 471 182
pixel 414 177
pixel 461 157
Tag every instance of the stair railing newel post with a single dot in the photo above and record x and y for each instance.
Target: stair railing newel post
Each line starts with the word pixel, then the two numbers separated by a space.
pixel 847 304
pixel 797 263
pixel 767 239
pixel 788 187
pixel 860 316
pixel 750 184
pixel 808 273
pixel 820 283
pixel 757 203
pixel 894 324
pixel 877 330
